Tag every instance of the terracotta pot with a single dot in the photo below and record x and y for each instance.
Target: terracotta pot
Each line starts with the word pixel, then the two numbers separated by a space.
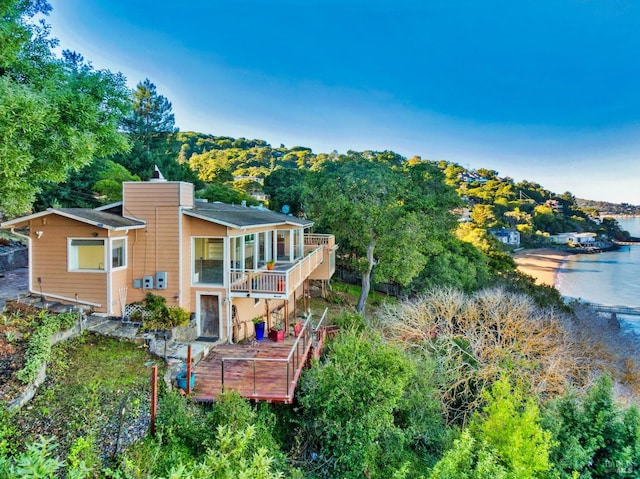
pixel 276 335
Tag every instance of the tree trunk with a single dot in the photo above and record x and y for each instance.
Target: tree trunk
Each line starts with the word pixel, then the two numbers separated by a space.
pixel 366 280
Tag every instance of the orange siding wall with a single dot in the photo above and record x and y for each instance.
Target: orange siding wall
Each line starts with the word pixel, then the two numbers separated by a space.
pixel 194 227
pixel 157 247
pixel 49 261
pixel 119 279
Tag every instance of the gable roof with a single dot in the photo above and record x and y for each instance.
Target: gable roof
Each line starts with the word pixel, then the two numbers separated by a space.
pixel 242 217
pixel 97 218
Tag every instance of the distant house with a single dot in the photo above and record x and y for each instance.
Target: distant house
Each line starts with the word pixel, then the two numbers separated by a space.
pixel 209 258
pixel 561 238
pixel 582 238
pixel 508 236
pixel 554 204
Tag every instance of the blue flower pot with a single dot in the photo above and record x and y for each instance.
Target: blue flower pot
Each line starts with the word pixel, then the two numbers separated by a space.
pixel 181 379
pixel 259 331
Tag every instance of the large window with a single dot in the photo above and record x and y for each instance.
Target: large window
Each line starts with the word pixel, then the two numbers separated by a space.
pixel 90 254
pixel 208 261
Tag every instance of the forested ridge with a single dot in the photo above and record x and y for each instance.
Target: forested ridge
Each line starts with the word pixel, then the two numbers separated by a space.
pixel 475 372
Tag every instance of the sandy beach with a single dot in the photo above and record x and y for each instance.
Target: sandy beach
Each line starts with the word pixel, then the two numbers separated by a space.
pixel 542 263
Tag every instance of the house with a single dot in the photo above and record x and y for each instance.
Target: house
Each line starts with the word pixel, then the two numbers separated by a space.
pixel 582 238
pixel 561 238
pixel 508 236
pixel 208 258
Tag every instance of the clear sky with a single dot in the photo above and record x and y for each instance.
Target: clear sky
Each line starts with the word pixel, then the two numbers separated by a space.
pixel 547 91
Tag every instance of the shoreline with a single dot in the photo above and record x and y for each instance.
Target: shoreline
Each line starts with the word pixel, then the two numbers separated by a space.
pixel 543 264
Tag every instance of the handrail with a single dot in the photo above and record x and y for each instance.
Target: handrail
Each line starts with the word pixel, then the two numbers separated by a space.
pixel 324 315
pixel 303 336
pixel 276 281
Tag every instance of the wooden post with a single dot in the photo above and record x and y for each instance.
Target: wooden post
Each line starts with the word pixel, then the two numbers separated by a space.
pixel 189 369
pixel 266 305
pixel 154 398
pixel 295 306
pixel 286 314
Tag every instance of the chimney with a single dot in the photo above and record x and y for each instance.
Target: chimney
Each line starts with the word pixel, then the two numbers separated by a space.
pixel 157 175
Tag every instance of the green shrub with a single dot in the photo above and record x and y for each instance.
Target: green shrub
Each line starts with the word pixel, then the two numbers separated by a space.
pixel 505 440
pixel 38 349
pixel 348 404
pixel 348 320
pixel 593 436
pixel 177 317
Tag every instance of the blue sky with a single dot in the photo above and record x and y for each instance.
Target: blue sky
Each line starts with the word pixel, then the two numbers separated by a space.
pixel 547 91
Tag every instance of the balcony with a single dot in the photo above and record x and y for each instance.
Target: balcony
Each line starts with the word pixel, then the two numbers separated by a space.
pixel 285 277
pixel 281 281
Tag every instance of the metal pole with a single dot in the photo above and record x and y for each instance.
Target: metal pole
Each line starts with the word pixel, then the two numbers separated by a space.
pixel 154 398
pixel 188 369
pixel 222 374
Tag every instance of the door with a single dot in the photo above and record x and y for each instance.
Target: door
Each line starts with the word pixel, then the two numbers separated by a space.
pixel 209 316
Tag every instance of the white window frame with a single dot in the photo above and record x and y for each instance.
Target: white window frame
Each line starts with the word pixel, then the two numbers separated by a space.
pixel 226 246
pixel 107 256
pixel 124 253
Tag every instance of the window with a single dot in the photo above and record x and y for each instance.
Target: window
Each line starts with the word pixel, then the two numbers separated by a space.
pixel 118 253
pixel 90 254
pixel 208 264
pixel 86 255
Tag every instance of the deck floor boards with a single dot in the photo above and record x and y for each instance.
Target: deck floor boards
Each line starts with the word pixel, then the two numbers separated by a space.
pixel 271 380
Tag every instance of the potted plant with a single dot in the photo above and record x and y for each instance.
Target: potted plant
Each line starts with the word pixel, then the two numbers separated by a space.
pixel 271 264
pixel 276 333
pixel 258 324
pixel 181 380
pixel 297 328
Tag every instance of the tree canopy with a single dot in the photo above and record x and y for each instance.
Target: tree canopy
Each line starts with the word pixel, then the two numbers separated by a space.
pixel 56 114
pixel 386 213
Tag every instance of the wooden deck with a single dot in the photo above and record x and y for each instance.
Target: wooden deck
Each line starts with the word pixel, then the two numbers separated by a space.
pixel 262 370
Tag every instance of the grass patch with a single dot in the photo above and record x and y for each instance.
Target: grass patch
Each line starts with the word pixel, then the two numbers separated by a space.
pixel 97 391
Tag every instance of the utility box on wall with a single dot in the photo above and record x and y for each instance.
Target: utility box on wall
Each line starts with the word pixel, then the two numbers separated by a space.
pixel 137 283
pixel 147 282
pixel 161 280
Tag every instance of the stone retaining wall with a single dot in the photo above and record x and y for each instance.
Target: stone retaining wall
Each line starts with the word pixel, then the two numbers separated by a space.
pixel 14 259
pixel 31 389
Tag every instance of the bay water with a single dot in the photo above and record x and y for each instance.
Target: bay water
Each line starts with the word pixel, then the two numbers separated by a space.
pixel 611 278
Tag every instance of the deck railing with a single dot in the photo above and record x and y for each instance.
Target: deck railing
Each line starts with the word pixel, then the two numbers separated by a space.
pixel 319 239
pixel 284 279
pixel 293 362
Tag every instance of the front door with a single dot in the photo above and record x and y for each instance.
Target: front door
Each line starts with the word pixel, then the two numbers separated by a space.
pixel 209 316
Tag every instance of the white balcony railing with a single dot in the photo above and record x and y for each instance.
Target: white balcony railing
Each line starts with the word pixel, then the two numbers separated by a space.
pixel 283 280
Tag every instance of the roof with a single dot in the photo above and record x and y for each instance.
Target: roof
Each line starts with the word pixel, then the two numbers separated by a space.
pixel 242 216
pixel 97 218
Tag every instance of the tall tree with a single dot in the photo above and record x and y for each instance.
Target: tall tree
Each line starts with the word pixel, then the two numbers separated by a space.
pixel 373 202
pixel 56 114
pixel 151 129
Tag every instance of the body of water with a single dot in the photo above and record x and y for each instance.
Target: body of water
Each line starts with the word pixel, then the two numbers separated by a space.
pixel 611 278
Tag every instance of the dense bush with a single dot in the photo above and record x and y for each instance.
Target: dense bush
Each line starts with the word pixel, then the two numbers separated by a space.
pixel 505 440
pixel 38 349
pixel 348 405
pixel 592 436
pixel 226 441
